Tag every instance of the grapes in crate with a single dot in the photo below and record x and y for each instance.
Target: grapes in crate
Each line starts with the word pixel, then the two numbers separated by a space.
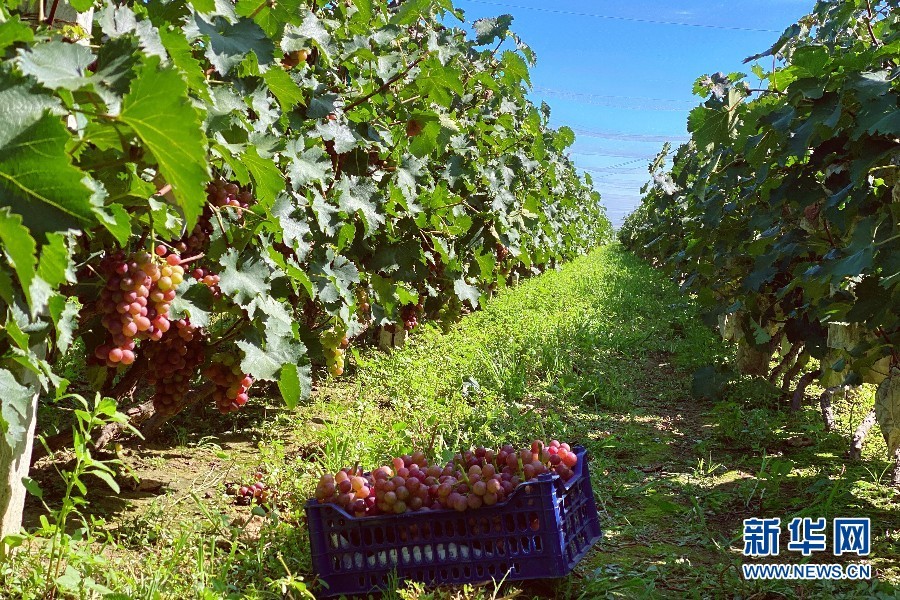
pixel 481 477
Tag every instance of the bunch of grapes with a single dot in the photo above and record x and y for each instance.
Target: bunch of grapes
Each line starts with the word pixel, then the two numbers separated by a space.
pixel 232 384
pixel 219 194
pixel 502 252
pixel 245 494
pixel 349 489
pixel 135 301
pixel 476 478
pixel 362 304
pixel 210 280
pixel 410 316
pixel 334 345
pixel 174 360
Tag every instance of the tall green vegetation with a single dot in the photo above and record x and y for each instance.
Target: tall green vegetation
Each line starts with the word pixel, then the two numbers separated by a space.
pixel 782 214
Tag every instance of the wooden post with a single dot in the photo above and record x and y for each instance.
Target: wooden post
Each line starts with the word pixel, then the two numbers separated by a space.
pixel 16 460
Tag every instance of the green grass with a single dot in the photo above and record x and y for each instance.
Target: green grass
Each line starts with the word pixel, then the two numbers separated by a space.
pixel 600 353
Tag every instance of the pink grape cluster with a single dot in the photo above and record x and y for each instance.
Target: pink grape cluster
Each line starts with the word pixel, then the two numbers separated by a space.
pixel 481 477
pixel 135 301
pixel 174 361
pixel 210 280
pixel 410 316
pixel 219 194
pixel 246 494
pixel 232 384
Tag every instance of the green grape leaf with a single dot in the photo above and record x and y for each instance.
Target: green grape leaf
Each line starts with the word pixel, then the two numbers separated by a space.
pixel 340 134
pixel 116 220
pixel 284 88
pixel 295 384
pixel 117 21
pixel 158 110
pixel 65 319
pixel 410 11
pixel 19 247
pixel 270 16
pixel 358 195
pixel 195 302
pixel 488 30
pixel 243 278
pixel 230 43
pixel 334 278
pixel 37 178
pixel 55 265
pixel 887 410
pixel 515 70
pixel 56 64
pixel 182 56
pixel 437 81
pixel 15 408
pixel 294 230
pixel 265 360
pixel 464 292
pixel 306 166
pixel 268 179
pixel 14 30
pixel 364 8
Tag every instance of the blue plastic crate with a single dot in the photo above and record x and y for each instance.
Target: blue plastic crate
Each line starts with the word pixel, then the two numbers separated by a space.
pixel 542 530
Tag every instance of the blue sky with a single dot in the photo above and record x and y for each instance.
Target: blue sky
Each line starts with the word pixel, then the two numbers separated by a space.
pixel 620 73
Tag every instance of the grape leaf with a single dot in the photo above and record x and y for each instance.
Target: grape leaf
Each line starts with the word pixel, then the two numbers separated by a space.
pixel 295 384
pixel 334 278
pixel 360 195
pixel 464 292
pixel 116 21
pixel 15 408
pixel 243 278
pixel 65 319
pixel 488 30
pixel 265 360
pixel 14 30
pixel 266 175
pixel 158 110
pixel 293 230
pixel 284 88
pixel 19 247
pixel 410 11
pixel 229 43
pixel 37 178
pixel 57 64
pixel 182 56
pixel 306 166
pixel 195 302
pixel 340 134
pixel 270 16
pixel 55 265
pixel 887 409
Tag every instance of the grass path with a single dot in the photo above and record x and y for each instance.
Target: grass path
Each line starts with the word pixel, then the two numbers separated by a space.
pixel 601 353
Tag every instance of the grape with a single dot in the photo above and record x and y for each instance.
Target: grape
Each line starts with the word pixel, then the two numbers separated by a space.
pixel 334 344
pixel 409 315
pixel 232 384
pixel 174 361
pixel 473 479
pixel 134 302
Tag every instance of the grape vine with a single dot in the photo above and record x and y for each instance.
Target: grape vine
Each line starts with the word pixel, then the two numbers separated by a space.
pixel 223 177
pixel 781 213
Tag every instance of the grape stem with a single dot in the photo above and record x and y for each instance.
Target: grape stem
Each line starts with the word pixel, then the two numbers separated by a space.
pixel 192 258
